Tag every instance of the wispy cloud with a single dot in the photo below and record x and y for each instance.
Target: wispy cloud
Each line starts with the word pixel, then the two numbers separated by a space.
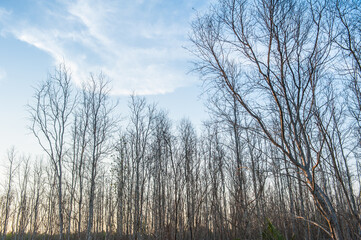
pixel 4 16
pixel 137 44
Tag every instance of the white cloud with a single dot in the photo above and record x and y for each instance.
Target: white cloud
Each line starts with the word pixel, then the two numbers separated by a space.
pixel 137 44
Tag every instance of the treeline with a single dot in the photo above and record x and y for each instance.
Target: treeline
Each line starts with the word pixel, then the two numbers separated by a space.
pixel 147 177
pixel 278 158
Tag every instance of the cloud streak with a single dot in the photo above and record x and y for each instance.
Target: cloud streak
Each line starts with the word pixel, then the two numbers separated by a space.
pixel 137 44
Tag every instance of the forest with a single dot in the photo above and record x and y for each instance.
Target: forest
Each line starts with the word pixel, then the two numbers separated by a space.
pixel 278 158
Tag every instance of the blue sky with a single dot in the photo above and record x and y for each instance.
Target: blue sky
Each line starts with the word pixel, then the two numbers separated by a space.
pixel 138 44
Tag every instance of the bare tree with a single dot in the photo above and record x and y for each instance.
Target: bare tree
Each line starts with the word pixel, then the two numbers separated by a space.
pixel 101 128
pixel 278 52
pixel 81 140
pixel 188 143
pixel 50 115
pixel 22 220
pixel 159 163
pixel 348 40
pixel 37 192
pixel 120 166
pixel 141 126
pixel 12 168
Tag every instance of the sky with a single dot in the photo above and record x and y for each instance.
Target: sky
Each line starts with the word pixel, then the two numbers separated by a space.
pixel 140 45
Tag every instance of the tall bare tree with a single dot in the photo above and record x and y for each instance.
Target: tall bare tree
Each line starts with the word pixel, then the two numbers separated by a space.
pixel 139 130
pixel 37 193
pixel 278 52
pixel 12 168
pixel 101 127
pixel 50 116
